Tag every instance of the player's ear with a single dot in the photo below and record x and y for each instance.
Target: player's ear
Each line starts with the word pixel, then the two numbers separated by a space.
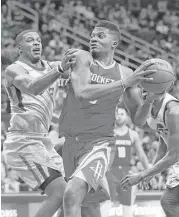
pixel 115 44
pixel 19 48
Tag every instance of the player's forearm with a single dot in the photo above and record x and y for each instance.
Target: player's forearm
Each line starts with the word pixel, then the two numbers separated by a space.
pixel 145 162
pixel 161 152
pixel 158 157
pixel 142 113
pixel 95 91
pixel 161 165
pixel 43 82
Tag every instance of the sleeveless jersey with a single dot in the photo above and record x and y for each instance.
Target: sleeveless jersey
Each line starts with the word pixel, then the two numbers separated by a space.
pixel 123 149
pixel 95 118
pixel 160 126
pixel 30 113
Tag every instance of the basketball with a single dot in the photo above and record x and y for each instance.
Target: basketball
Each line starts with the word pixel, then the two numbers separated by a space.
pixel 163 77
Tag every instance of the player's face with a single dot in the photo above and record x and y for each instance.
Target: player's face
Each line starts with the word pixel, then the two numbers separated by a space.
pixel 31 46
pixel 121 116
pixel 101 41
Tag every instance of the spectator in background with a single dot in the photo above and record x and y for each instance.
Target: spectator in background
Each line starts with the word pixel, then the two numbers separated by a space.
pixel 45 34
pixel 3 176
pixel 11 183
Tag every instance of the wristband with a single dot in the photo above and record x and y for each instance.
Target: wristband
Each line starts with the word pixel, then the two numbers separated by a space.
pixel 59 68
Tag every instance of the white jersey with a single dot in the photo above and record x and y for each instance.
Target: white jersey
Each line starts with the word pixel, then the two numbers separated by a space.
pixel 30 113
pixel 160 126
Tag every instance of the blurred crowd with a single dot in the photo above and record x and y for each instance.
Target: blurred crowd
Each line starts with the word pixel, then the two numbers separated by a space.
pixel 159 26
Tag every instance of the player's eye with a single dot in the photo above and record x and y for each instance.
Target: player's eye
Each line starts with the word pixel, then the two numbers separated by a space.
pixel 101 36
pixel 29 39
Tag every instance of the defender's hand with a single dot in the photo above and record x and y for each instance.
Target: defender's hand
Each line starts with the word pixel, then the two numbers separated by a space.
pixel 69 59
pixel 144 184
pixel 131 179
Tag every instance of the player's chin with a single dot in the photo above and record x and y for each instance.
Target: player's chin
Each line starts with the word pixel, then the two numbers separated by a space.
pixel 37 57
pixel 94 52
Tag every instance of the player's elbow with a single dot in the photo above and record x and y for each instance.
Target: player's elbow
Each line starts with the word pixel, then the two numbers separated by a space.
pixel 137 121
pixel 81 94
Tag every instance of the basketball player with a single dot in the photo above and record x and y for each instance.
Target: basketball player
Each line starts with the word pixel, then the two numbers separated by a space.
pixel 88 116
pixel 125 139
pixel 27 149
pixel 164 118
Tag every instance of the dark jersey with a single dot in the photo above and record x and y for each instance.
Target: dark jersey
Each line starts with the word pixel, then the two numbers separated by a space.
pixel 92 119
pixel 123 149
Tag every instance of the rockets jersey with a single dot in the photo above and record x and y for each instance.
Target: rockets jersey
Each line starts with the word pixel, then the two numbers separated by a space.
pixel 123 148
pixel 92 118
pixel 30 113
pixel 160 126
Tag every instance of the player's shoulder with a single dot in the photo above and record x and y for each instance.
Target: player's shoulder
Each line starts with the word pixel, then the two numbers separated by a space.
pixel 84 55
pixel 173 107
pixel 173 103
pixel 127 72
pixel 13 69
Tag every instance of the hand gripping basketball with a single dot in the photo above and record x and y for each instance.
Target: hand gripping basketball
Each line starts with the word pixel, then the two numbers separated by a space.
pixel 163 78
pixel 139 75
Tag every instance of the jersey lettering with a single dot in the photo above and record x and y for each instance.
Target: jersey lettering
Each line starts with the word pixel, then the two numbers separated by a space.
pixel 162 130
pixel 100 79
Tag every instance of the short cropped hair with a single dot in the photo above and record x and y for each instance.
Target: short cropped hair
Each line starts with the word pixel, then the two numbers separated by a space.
pixel 113 28
pixel 20 35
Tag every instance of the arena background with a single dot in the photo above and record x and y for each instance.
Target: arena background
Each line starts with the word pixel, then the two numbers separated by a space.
pixel 149 29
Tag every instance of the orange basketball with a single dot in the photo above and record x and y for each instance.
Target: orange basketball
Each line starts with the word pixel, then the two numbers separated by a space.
pixel 163 77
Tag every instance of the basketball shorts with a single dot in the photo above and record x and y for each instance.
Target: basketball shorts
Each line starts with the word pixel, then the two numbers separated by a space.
pixel 34 158
pixel 89 161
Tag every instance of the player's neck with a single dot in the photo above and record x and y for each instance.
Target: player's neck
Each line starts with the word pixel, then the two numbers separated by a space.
pixel 121 129
pixel 36 64
pixel 106 59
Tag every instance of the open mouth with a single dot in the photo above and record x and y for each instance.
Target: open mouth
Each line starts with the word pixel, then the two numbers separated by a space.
pixel 93 46
pixel 36 50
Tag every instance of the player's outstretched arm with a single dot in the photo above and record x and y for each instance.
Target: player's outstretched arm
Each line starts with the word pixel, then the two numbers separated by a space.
pixel 81 78
pixel 144 110
pixel 172 155
pixel 16 75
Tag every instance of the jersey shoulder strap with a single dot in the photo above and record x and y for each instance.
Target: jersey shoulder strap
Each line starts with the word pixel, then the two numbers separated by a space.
pixel 132 135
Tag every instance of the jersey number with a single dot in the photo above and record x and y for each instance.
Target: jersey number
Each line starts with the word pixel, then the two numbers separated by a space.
pixel 121 152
